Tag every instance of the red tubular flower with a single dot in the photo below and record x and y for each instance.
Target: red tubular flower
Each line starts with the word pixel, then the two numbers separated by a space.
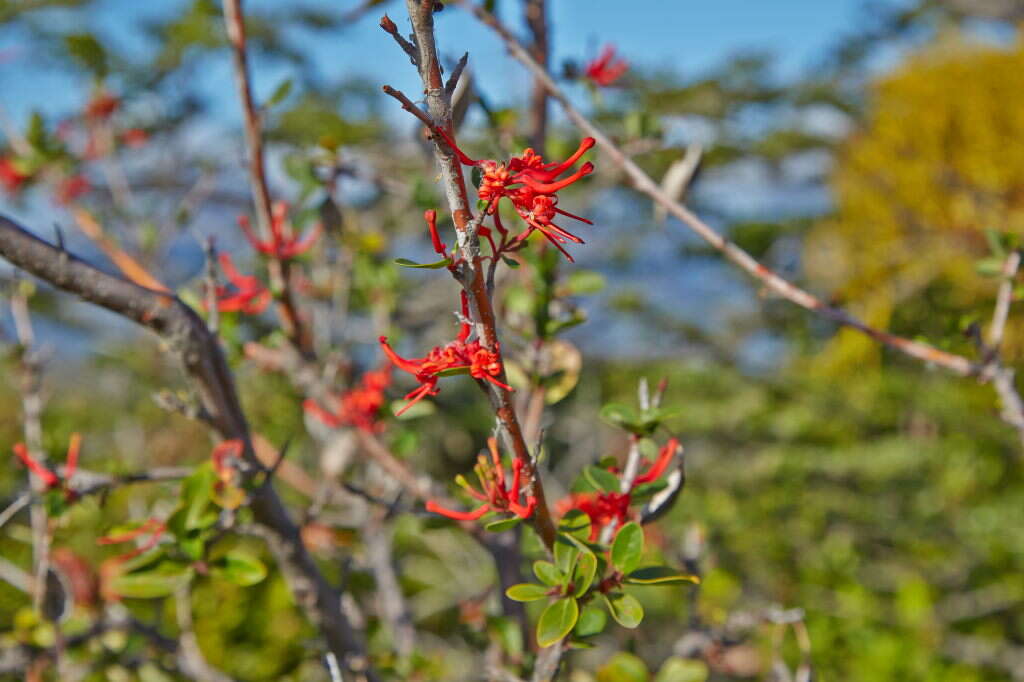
pixel 102 106
pixel 531 185
pixel 135 137
pixel 11 178
pixel 222 452
pixel 71 188
pixel 358 407
pixel 251 297
pixel 456 357
pixel 493 492
pixel 605 70
pixel 283 243
pixel 439 246
pixel 50 479
pixel 658 466
pixel 152 527
pixel 605 507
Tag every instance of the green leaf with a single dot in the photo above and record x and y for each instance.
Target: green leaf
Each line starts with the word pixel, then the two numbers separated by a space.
pixel 87 51
pixel 602 479
pixel 591 622
pixel 406 263
pixel 196 493
pixel 510 262
pixel 585 282
pixel 503 524
pixel 548 573
pixel 565 552
pixel 239 568
pixel 628 547
pixel 625 609
pixel 283 89
pixel 557 621
pixel 159 582
pixel 526 592
pixel 989 267
pixel 619 415
pixel 623 667
pixel 677 669
pixel 576 524
pixel 583 574
pixel 995 242
pixel 660 575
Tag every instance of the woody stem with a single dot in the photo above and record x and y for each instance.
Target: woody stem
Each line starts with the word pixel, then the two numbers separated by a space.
pixel 277 268
pixel 472 275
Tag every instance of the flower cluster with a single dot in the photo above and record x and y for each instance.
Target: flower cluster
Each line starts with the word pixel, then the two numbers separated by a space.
pixel 494 493
pixel 606 69
pixel 49 478
pixel 605 507
pixel 283 243
pixel 12 175
pixel 531 185
pixel 358 407
pixel 250 296
pixel 456 357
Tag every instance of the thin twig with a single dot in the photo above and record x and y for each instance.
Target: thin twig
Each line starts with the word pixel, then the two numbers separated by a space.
pixel 277 268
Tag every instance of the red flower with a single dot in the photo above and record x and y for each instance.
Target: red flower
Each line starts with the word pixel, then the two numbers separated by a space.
pixel 135 137
pixel 283 244
pixel 606 507
pixel 222 452
pixel 101 106
pixel 151 527
pixel 50 479
pixel 601 507
pixel 71 188
pixel 11 178
pixel 605 70
pixel 531 185
pixel 251 297
pixel 456 357
pixel 495 495
pixel 358 407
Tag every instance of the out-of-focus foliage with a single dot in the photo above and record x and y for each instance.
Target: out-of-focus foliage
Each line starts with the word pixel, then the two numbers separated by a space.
pixel 936 164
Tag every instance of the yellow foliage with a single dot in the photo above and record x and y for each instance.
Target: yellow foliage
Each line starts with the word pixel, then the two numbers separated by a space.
pixel 940 160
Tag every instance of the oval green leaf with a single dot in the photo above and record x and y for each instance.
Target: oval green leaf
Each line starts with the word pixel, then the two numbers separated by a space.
pixel 583 574
pixel 625 609
pixel 239 568
pixel 576 524
pixel 557 621
pixel 526 592
pixel 628 548
pixel 160 582
pixel 591 622
pixel 660 575
pixel 602 479
pixel 503 524
pixel 548 573
pixel 406 263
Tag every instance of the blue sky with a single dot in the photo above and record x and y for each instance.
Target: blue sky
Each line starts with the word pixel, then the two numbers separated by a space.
pixel 686 35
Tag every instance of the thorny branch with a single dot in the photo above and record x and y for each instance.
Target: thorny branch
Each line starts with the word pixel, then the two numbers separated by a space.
pixel 471 276
pixel 188 337
pixel 642 182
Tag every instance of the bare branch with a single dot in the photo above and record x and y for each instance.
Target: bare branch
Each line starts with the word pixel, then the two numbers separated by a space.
pixel 186 335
